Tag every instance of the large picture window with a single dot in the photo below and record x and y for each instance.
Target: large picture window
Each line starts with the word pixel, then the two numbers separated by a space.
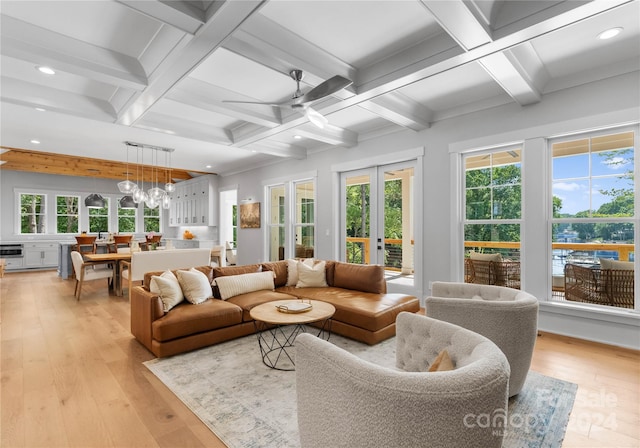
pixel 33 216
pixel 304 220
pixel 67 214
pixel 99 218
pixel 151 219
pixel 593 225
pixel 126 219
pixel 492 216
pixel 276 222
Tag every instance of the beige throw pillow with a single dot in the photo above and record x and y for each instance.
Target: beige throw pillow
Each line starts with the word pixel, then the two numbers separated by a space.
pixel 234 285
pixel 608 263
pixel 195 285
pixel 442 362
pixel 292 270
pixel 311 276
pixel 168 289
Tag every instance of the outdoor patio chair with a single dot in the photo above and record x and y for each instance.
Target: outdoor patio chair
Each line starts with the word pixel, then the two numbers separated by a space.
pixel 591 284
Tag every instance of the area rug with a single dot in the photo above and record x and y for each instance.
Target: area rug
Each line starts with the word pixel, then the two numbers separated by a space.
pixel 248 405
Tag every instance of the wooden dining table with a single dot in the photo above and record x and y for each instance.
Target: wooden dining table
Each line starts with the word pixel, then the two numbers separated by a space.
pixel 116 258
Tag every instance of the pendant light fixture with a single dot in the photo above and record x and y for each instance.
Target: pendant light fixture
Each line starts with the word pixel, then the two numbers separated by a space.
pixel 126 186
pixel 155 193
pixel 139 193
pixel 94 200
pixel 128 202
pixel 169 187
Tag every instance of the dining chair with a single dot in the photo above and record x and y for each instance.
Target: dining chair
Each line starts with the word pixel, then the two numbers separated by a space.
pixel 87 271
pixel 119 241
pixel 86 244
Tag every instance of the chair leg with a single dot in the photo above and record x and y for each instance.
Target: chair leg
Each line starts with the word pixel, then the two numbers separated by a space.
pixel 75 290
pixel 80 284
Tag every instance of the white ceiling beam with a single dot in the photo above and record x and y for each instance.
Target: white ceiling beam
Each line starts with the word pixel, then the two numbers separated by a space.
pixel 225 20
pixel 31 43
pixel 27 94
pixel 178 14
pixel 515 83
pixel 209 97
pixel 184 128
pixel 459 22
pixel 400 110
pixel 279 149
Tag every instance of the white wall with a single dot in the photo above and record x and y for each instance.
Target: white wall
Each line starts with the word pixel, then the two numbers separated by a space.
pixel 604 103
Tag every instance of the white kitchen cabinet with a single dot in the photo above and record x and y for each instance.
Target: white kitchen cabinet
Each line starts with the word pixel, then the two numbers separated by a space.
pixel 194 203
pixel 40 255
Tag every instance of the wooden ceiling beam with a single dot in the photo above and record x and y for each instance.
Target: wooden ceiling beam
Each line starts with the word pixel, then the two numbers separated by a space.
pixel 16 159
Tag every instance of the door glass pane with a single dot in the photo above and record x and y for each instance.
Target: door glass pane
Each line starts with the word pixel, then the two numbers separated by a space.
pixel 276 223
pixel 398 228
pixel 357 225
pixel 304 220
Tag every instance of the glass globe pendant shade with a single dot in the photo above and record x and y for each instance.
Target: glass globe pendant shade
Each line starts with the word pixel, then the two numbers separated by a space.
pixel 151 202
pixel 126 186
pixel 166 202
pixel 128 202
pixel 156 193
pixel 169 187
pixel 138 195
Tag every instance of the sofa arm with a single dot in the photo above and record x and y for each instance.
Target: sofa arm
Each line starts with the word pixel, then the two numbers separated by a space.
pixel 146 307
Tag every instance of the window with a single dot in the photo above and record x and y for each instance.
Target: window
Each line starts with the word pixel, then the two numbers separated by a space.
pixel 492 219
pixel 151 219
pixel 234 222
pixel 99 218
pixel 67 214
pixel 126 219
pixel 33 213
pixel 304 224
pixel 276 222
pixel 593 195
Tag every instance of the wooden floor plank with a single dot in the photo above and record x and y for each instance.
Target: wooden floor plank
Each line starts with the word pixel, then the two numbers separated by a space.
pixel 72 376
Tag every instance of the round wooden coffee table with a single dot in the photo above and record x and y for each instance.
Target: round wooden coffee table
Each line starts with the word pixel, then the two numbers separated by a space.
pixel 277 331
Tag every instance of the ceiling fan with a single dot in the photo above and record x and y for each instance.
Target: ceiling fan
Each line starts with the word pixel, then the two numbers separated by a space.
pixel 301 102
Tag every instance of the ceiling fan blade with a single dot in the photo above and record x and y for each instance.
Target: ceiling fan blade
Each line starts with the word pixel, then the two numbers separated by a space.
pixel 328 87
pixel 254 102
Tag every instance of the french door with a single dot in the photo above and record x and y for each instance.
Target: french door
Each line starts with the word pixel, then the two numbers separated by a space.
pixel 378 221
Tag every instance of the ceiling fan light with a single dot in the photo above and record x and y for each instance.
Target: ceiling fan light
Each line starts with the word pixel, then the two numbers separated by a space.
pixel 126 186
pixel 316 117
pixel 94 200
pixel 128 202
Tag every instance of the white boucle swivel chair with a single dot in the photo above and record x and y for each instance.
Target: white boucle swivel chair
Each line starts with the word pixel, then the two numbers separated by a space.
pixel 344 401
pixel 509 317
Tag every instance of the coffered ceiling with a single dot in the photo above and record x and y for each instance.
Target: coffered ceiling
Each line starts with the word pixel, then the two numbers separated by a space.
pixel 159 72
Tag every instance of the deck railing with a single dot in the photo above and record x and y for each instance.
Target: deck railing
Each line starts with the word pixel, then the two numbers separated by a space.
pixel 623 250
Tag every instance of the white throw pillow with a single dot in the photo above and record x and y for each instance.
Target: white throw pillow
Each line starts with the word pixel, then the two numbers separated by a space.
pixel 292 270
pixel 195 286
pixel 153 287
pixel 311 276
pixel 234 285
pixel 168 290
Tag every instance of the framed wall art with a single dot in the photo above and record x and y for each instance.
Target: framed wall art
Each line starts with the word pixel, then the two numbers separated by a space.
pixel 250 215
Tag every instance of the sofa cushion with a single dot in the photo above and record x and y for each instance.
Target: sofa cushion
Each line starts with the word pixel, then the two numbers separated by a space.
pixel 608 263
pixel 222 271
pixel 365 310
pixel 187 319
pixel 233 285
pixel 249 300
pixel 485 257
pixel 360 277
pixel 279 269
pixel 195 285
pixel 312 276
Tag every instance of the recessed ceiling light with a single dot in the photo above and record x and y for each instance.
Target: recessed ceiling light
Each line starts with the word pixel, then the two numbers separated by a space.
pixel 169 132
pixel 35 142
pixel 297 137
pixel 608 34
pixel 209 166
pixel 40 109
pixel 46 70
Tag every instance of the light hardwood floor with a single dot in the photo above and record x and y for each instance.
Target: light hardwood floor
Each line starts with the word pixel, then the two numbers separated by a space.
pixel 72 376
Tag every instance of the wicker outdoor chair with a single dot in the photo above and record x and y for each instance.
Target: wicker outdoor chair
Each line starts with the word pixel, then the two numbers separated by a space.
pixel 612 287
pixel 499 273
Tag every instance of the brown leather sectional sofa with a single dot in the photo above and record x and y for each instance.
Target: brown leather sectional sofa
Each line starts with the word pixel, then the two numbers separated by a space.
pixel 364 309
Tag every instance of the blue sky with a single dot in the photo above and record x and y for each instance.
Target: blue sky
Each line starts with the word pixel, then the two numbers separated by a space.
pixel 571 180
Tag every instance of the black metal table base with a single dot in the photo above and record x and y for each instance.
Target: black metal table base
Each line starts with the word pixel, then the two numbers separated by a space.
pixel 275 340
